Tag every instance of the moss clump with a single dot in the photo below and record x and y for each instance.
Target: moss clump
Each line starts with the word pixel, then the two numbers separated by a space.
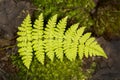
pixel 56 70
pixel 77 10
pixel 107 21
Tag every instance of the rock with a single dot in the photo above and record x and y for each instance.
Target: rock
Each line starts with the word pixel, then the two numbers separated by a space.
pixel 107 74
pixel 109 69
pixel 107 19
pixel 11 16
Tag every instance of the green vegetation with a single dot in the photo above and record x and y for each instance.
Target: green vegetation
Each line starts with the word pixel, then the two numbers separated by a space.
pixel 56 70
pixel 77 10
pixel 50 49
pixel 107 19
pixel 54 40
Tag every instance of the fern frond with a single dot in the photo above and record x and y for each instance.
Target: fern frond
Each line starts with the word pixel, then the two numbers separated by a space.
pixel 24 41
pixel 54 40
pixel 49 37
pixel 37 35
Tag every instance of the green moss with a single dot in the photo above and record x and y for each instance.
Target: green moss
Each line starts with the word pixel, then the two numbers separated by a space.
pixel 56 70
pixel 77 10
pixel 107 20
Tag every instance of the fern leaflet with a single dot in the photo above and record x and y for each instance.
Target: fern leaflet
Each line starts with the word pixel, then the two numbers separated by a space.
pixel 24 40
pixel 37 35
pixel 49 37
pixel 59 35
pixel 70 42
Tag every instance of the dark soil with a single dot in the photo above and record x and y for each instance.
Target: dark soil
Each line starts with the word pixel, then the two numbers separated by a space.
pixel 12 13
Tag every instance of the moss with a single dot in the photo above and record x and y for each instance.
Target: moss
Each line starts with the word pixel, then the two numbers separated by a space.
pixel 56 70
pixel 107 20
pixel 77 10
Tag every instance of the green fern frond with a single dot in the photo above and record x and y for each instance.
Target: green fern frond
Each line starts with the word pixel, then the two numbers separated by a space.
pixel 24 41
pixel 49 37
pixel 54 40
pixel 37 35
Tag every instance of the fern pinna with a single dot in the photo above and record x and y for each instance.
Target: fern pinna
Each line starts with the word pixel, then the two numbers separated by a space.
pixel 52 39
pixel 37 36
pixel 25 41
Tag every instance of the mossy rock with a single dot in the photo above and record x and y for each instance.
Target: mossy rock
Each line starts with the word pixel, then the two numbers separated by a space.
pixel 78 10
pixel 107 21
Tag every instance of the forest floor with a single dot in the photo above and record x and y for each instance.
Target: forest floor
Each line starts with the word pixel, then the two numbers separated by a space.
pixel 11 16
